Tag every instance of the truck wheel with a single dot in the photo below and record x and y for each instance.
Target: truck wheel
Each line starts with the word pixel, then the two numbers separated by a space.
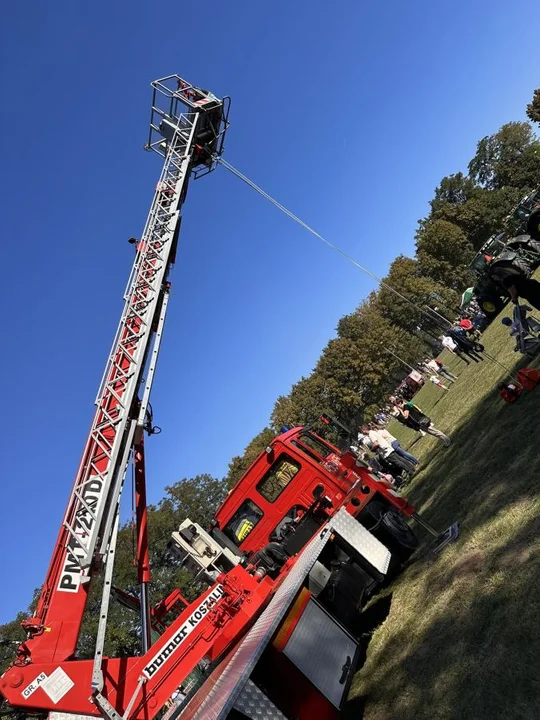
pixel 522 266
pixel 390 527
pixel 533 248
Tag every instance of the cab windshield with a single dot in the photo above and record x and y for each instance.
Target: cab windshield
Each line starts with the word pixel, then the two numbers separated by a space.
pixel 313 446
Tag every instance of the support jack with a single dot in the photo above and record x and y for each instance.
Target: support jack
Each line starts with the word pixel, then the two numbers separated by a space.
pixel 442 539
pixel 445 538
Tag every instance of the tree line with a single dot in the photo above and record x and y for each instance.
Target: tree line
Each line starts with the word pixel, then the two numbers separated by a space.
pixel 355 371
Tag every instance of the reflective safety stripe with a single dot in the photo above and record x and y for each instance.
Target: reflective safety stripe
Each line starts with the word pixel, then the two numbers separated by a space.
pixel 245 528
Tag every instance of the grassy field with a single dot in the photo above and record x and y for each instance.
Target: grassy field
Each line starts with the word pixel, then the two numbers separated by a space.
pixel 462 635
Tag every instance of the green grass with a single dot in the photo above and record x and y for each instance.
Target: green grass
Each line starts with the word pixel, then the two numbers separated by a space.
pixel 462 638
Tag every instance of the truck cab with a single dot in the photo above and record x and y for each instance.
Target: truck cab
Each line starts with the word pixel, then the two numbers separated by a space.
pixel 300 472
pixel 320 533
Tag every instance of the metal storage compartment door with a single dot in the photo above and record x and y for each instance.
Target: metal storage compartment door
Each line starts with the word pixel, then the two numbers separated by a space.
pixel 323 651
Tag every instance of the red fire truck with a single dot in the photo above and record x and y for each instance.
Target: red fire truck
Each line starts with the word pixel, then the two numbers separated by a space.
pixel 304 539
pixel 296 467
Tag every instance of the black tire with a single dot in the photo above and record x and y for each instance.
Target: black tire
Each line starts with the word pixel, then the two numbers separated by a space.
pixel 534 245
pixel 491 306
pixel 527 245
pixel 523 266
pixel 390 527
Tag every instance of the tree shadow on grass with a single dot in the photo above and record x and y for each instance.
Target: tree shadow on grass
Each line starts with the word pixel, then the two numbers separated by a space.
pixel 463 637
pixel 373 616
pixel 493 457
pixel 477 657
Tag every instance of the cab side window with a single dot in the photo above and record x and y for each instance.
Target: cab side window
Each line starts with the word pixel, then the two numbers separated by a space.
pixel 243 521
pixel 278 477
pixel 283 526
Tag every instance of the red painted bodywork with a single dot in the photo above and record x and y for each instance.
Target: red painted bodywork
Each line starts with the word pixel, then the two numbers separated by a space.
pixel 224 624
pixel 336 472
pixel 211 626
pixel 244 598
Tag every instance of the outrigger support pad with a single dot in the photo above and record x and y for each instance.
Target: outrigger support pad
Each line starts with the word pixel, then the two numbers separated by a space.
pixel 443 539
pixel 448 536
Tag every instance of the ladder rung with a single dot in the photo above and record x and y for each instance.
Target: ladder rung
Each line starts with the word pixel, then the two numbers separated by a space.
pixel 85 504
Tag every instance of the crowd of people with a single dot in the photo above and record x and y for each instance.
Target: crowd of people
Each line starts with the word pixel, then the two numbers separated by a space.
pixel 381 451
pixel 387 456
pixel 377 447
pixel 462 339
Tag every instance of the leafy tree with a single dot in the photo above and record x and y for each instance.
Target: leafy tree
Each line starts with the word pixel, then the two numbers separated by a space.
pixel 342 365
pixel 510 157
pixel 444 252
pixel 285 411
pixel 304 404
pixel 377 338
pixel 409 310
pixel 355 371
pixel 484 213
pixel 240 463
pixel 533 108
pixel 196 498
pixel 477 211
pixel 11 634
pixel 453 190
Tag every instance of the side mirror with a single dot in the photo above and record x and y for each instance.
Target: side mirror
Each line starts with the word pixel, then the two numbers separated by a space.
pixel 317 491
pixel 269 453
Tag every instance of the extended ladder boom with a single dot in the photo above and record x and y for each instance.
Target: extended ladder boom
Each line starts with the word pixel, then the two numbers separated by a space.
pixel 188 131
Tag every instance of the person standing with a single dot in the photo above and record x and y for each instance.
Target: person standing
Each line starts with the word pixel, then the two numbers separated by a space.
pixel 440 369
pixel 436 381
pixel 466 324
pixel 411 416
pixel 445 372
pixel 394 442
pixel 376 442
pixel 452 346
pixel 396 414
pixel 381 418
pixel 472 349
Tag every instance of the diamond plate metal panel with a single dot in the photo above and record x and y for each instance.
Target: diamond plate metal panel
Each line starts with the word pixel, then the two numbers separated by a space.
pixel 254 704
pixel 223 696
pixel 361 540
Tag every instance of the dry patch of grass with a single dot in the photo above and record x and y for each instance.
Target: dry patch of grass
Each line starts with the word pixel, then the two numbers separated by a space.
pixel 462 639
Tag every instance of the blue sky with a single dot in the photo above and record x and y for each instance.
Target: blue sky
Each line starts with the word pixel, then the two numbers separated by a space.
pixel 349 113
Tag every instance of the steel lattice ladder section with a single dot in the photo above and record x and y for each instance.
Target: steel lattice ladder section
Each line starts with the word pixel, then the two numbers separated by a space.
pixel 96 493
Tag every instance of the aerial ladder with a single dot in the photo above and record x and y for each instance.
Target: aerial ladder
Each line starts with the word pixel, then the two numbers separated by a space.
pixel 295 551
pixel 187 128
pixel 227 632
